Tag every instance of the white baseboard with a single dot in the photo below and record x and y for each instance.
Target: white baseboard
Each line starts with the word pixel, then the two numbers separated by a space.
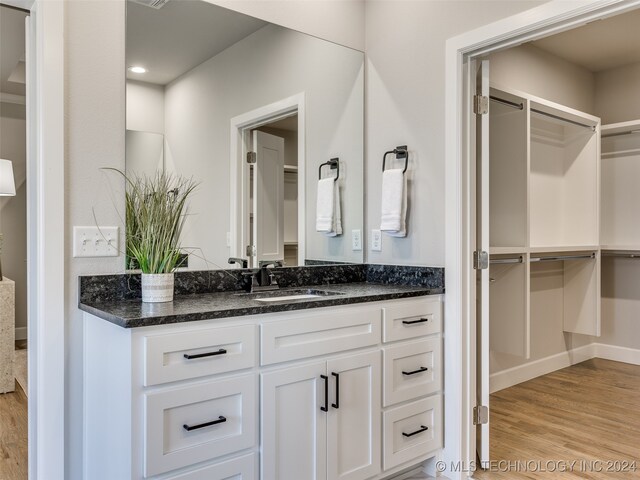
pixel 522 373
pixel 21 333
pixel 618 354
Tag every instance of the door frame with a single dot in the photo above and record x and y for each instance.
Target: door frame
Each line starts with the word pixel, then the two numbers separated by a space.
pixel 240 143
pixel 46 280
pixel 460 338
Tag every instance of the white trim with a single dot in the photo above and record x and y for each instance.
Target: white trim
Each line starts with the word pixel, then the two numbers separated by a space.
pixel 513 376
pixel 547 19
pixel 45 239
pixel 617 354
pixel 253 119
pixel 21 333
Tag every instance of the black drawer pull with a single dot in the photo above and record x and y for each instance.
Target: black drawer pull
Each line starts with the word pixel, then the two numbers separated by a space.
pixel 420 370
pixel 413 322
pixel 222 351
pixel 423 429
pixel 326 393
pixel 221 419
pixel 337 404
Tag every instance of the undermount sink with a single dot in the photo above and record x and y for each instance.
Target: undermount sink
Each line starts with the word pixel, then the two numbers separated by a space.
pixel 288 296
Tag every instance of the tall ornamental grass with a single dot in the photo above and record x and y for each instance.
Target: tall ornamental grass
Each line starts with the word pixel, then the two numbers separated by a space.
pixel 156 210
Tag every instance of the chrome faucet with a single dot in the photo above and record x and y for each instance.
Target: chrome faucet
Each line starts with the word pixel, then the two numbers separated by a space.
pixel 243 262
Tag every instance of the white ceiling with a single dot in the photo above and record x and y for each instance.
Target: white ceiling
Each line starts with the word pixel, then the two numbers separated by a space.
pixel 601 45
pixel 12 51
pixel 181 35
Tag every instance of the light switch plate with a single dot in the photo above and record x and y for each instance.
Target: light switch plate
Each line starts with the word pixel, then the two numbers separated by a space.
pixel 376 240
pixel 356 240
pixel 95 241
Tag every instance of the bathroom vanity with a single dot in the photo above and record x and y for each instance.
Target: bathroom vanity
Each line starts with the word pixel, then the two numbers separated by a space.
pixel 345 384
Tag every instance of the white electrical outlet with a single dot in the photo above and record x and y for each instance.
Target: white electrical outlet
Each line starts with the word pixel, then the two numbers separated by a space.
pixel 376 240
pixel 95 242
pixel 228 239
pixel 356 240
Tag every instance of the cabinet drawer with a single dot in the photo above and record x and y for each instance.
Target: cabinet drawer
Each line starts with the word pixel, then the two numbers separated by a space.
pixel 416 318
pixel 412 370
pixel 224 414
pixel 242 468
pixel 211 351
pixel 320 333
pixel 412 431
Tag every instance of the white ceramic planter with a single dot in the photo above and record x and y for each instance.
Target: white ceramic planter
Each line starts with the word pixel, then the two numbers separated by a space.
pixel 157 287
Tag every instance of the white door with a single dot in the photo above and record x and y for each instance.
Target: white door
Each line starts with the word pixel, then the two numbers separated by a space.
pixel 268 197
pixel 482 244
pixel 294 426
pixel 353 422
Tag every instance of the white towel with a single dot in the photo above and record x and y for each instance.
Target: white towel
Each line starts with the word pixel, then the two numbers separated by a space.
pixel 328 215
pixel 394 203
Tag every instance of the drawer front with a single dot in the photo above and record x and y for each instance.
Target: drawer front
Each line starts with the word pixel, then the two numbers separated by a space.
pixel 197 353
pixel 320 333
pixel 412 431
pixel 415 318
pixel 242 468
pixel 412 370
pixel 224 414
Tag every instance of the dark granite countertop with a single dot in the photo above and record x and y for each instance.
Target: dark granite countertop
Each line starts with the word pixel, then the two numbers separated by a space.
pixel 130 313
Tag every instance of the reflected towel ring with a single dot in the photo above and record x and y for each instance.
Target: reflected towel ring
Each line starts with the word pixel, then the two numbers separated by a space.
pixel 400 152
pixel 334 164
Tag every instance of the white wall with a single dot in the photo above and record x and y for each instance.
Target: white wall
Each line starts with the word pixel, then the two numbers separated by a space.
pixel 405 105
pixel 13 214
pixel 145 107
pixel 270 65
pixel 534 71
pixel 339 21
pixel 617 94
pixel 95 133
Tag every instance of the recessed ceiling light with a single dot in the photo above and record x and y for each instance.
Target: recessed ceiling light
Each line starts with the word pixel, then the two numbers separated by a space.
pixel 138 69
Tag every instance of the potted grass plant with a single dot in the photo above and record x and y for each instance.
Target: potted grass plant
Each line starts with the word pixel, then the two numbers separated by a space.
pixel 156 210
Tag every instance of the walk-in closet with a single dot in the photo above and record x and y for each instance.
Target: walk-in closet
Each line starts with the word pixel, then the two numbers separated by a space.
pixel 564 237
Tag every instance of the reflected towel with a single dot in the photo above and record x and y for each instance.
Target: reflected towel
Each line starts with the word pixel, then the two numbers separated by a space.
pixel 328 214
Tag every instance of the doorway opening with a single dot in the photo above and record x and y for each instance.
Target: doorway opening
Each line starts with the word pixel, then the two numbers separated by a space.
pixel 556 242
pixel 13 244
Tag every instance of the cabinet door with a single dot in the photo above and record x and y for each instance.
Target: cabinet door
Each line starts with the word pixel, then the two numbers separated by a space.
pixel 353 422
pixel 294 428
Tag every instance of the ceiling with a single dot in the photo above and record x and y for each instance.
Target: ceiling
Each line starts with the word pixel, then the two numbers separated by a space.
pixel 180 35
pixel 12 51
pixel 600 45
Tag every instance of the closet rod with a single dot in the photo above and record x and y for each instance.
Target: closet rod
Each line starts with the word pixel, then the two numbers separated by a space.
pixel 503 261
pixel 557 117
pixel 508 103
pixel 562 257
pixel 623 255
pixel 619 134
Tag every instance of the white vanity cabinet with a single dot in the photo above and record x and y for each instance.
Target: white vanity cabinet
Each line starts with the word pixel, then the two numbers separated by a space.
pixel 321 420
pixel 338 393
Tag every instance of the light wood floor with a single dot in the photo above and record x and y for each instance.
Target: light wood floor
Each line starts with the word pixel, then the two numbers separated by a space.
pixel 13 431
pixel 13 435
pixel 587 412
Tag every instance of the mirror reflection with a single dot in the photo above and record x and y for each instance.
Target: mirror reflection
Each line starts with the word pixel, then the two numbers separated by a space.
pixel 268 120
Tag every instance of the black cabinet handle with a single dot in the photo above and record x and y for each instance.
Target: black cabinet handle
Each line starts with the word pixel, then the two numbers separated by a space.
pixel 337 404
pixel 326 393
pixel 422 429
pixel 413 322
pixel 222 351
pixel 221 419
pixel 420 370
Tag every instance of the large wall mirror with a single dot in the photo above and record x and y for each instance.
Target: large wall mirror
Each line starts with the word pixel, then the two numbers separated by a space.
pixel 262 116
